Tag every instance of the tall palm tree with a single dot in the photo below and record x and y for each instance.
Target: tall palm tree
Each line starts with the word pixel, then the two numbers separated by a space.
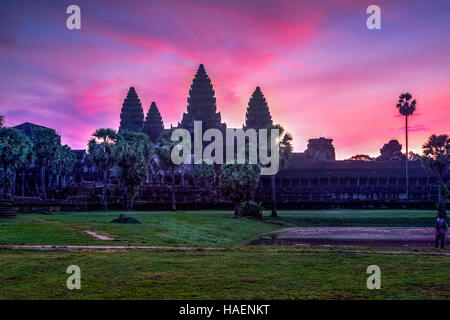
pixel 133 151
pixel 101 150
pixel 406 107
pixel 26 163
pixel 436 157
pixel 285 150
pixel 45 146
pixel 163 149
pixel 64 163
pixel 14 147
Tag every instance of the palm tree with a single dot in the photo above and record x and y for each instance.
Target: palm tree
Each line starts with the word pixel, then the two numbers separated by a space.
pixel 163 149
pixel 238 183
pixel 204 176
pixel 406 107
pixel 25 165
pixel 45 146
pixel 14 146
pixel 64 163
pixel 133 151
pixel 285 150
pixel 436 157
pixel 101 149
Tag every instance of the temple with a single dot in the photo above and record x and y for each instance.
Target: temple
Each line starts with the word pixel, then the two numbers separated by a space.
pixel 320 149
pixel 312 179
pixel 153 126
pixel 258 114
pixel 201 104
pixel 132 114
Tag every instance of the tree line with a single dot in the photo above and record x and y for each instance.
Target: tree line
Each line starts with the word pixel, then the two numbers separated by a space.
pixel 18 153
pixel 132 155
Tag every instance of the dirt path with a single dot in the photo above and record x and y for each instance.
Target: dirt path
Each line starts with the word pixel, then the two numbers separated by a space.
pixel 98 236
pixel 308 250
pixel 58 247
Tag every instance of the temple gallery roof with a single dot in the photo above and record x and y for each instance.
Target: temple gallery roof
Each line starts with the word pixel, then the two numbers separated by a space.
pixel 27 128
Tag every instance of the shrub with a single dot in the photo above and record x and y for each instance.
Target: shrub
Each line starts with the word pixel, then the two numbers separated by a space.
pixel 251 209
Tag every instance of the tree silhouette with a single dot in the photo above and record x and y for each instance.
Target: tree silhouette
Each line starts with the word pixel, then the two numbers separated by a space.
pixel 436 157
pixel 64 162
pixel 45 145
pixel 14 147
pixel 390 151
pixel 406 107
pixel 285 150
pixel 163 150
pixel 204 176
pixel 133 151
pixel 2 121
pixel 238 183
pixel 26 163
pixel 361 157
pixel 101 150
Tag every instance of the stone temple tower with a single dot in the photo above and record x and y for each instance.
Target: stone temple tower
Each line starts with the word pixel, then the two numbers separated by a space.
pixel 258 114
pixel 132 114
pixel 201 104
pixel 320 149
pixel 153 125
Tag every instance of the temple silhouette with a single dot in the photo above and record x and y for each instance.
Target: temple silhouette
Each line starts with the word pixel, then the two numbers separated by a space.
pixel 312 179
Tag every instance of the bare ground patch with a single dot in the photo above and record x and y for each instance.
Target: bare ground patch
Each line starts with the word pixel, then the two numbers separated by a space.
pixel 350 236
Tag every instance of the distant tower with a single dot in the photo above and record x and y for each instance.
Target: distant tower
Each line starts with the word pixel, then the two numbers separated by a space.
pixel 132 114
pixel 201 103
pixel 153 126
pixel 258 114
pixel 320 149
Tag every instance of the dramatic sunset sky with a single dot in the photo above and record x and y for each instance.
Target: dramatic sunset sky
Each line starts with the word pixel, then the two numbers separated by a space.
pixel 322 71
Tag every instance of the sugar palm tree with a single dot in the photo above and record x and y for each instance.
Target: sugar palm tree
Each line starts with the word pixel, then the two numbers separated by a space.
pixel 64 162
pixel 25 164
pixel 14 147
pixel 45 146
pixel 406 107
pixel 133 151
pixel 101 150
pixel 285 150
pixel 238 183
pixel 436 157
pixel 163 150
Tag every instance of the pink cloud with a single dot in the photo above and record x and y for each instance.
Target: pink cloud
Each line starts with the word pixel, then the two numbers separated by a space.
pixel 322 72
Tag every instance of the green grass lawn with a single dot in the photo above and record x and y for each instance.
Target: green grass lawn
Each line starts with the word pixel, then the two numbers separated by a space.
pixel 241 274
pixel 193 228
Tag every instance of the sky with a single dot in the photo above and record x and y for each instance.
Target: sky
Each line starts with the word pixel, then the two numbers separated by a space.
pixel 322 71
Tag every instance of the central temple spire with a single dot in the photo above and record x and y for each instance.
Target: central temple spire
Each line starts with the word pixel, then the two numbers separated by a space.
pixel 201 103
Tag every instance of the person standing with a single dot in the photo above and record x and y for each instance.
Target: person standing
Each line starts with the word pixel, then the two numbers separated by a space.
pixel 441 229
